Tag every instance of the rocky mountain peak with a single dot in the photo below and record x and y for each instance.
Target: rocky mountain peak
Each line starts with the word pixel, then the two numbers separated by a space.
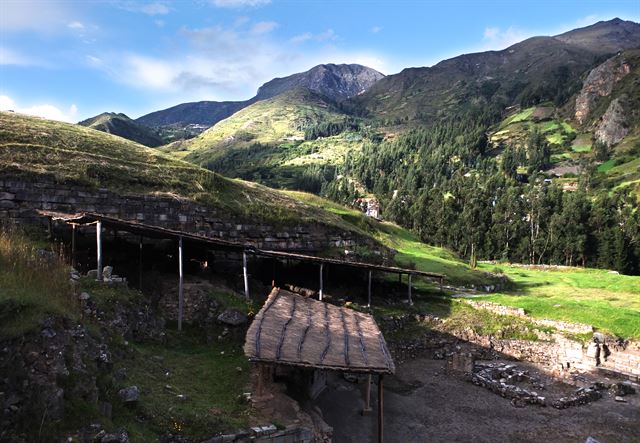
pixel 338 82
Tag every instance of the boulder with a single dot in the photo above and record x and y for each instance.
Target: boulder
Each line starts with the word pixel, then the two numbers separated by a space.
pixel 130 394
pixel 107 272
pixel 119 436
pixel 233 317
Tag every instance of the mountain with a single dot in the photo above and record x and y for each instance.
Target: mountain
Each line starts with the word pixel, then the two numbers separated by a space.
pixel 605 36
pixel 537 69
pixel 187 120
pixel 337 82
pixel 264 135
pixel 123 126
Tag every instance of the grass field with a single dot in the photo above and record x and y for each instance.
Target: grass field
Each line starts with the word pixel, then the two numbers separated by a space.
pixel 187 387
pixel 605 300
pixel 411 252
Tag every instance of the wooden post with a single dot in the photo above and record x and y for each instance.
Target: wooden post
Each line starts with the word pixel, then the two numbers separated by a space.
pixel 73 245
pixel 180 301
pixel 321 281
pixel 245 275
pixel 140 265
pixel 409 291
pixel 367 396
pixel 369 292
pixel 380 408
pixel 99 247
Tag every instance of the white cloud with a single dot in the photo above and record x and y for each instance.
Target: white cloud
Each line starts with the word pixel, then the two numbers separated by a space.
pixel 376 29
pixel 263 27
pixel 495 38
pixel 11 57
pixel 47 111
pixel 6 103
pixel 223 63
pixel 76 25
pixel 35 16
pixel 301 38
pixel 328 35
pixel 239 3
pixel 155 9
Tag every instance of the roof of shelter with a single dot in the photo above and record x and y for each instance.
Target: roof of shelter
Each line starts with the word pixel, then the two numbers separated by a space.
pixel 298 331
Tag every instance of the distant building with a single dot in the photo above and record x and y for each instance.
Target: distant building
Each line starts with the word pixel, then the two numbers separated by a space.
pixel 370 206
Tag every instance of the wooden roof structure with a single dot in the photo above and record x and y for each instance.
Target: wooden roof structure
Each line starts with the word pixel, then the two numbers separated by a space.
pixel 298 331
pixel 159 232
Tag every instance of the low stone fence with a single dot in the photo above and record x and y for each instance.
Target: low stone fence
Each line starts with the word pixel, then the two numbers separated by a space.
pixel 575 328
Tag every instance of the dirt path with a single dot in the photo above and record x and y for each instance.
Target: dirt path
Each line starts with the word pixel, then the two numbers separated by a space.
pixel 422 404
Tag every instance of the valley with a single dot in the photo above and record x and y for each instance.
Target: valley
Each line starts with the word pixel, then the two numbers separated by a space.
pixel 473 225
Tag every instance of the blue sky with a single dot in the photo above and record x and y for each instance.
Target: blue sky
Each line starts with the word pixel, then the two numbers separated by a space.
pixel 71 59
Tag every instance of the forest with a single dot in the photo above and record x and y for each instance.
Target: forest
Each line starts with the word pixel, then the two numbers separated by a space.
pixel 440 182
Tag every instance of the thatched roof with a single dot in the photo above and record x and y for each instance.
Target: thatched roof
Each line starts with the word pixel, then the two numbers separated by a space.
pixel 294 330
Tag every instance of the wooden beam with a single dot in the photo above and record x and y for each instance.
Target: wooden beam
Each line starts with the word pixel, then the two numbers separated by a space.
pixel 367 396
pixel 321 281
pixel 245 275
pixel 140 265
pixel 99 249
pixel 180 289
pixel 380 409
pixel 409 291
pixel 369 290
pixel 73 245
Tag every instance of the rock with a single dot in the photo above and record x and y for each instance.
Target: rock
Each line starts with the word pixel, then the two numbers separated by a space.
pixel 622 389
pixel 84 296
pixel 93 273
pixel 233 317
pixel 120 374
pixel 119 436
pixel 590 439
pixel 613 125
pixel 598 337
pixel 130 394
pixel 107 272
pixel 48 333
pixel 620 399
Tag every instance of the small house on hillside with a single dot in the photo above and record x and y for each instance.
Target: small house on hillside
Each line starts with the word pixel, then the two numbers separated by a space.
pixel 370 206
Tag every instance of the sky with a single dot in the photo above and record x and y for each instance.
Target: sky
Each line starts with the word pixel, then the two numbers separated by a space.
pixel 72 59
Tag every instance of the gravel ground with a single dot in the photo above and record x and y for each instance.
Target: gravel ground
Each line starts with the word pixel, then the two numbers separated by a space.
pixel 422 404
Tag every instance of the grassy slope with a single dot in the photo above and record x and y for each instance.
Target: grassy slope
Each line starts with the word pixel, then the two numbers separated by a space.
pixel 608 301
pixel 34 148
pixel 411 252
pixel 123 126
pixel 273 121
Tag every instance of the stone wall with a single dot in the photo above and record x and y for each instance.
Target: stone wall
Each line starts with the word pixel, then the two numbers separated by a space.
pixel 496 308
pixel 563 356
pixel 19 199
pixel 559 354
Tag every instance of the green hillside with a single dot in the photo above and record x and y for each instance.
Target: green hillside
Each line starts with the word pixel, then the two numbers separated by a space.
pixel 31 147
pixel 123 126
pixel 268 141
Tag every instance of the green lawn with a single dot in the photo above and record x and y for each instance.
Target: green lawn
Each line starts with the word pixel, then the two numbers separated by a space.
pixel 606 166
pixel 608 301
pixel 411 252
